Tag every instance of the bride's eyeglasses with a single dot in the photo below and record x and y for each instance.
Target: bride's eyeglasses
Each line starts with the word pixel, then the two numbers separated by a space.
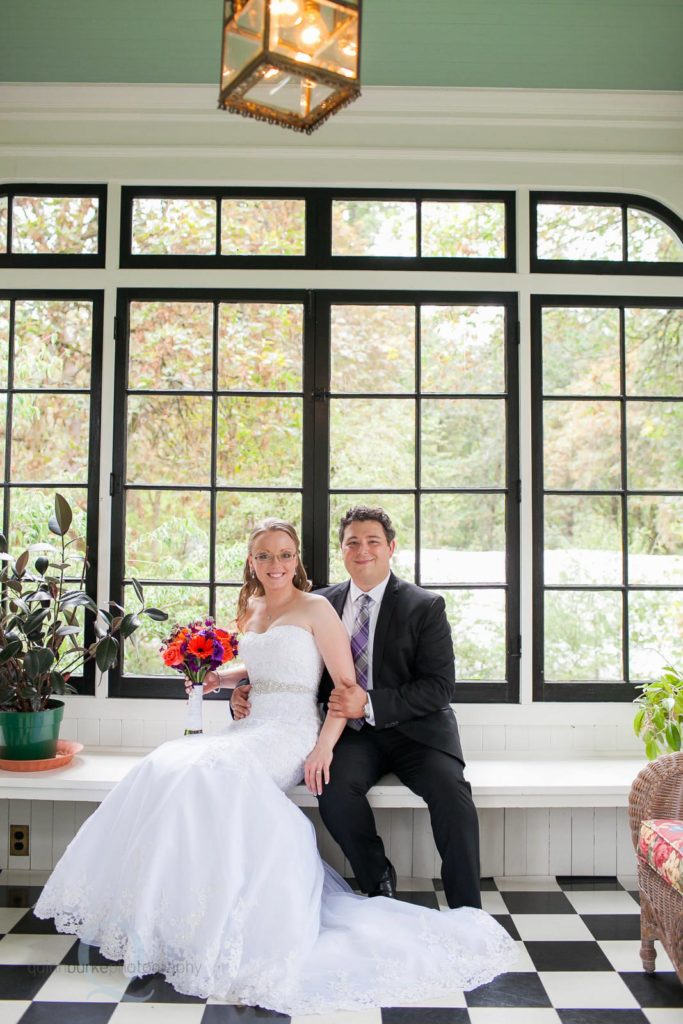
pixel 264 556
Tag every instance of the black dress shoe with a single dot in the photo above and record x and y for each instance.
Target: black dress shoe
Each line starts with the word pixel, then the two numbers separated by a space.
pixel 387 883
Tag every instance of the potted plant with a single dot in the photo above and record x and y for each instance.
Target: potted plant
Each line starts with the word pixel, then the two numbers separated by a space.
pixel 659 718
pixel 41 637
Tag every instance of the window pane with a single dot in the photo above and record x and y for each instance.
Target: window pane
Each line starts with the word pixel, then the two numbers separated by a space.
pixel 259 442
pixel 167 535
pixel 581 449
pixel 582 539
pixel 55 224
pixel 654 351
pixel 373 228
pixel 183 604
pixel 650 239
pixel 583 636
pixel 260 346
pixel 655 635
pixel 463 538
pixel 372 443
pixel 52 344
pixel 29 511
pixel 174 227
pixel 226 610
pixel 463 442
pixel 263 227
pixel 401 511
pixel 373 348
pixel 655 539
pixel 4 207
pixel 50 437
pixel 168 440
pixel 477 619
pixel 465 229
pixel 581 351
pixel 236 516
pixel 654 445
pixel 170 345
pixel 4 340
pixel 567 232
pixel 463 348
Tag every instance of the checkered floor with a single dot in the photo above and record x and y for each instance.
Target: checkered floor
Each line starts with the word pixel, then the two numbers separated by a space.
pixel 579 964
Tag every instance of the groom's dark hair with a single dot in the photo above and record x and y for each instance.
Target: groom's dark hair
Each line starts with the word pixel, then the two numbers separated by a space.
pixel 363 513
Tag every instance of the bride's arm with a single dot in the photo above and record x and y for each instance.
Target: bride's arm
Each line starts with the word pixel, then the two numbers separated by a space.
pixel 228 677
pixel 335 648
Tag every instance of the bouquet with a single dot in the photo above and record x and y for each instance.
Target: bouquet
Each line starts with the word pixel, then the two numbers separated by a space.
pixel 194 650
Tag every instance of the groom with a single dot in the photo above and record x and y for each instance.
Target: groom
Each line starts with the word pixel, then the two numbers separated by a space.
pixel 400 715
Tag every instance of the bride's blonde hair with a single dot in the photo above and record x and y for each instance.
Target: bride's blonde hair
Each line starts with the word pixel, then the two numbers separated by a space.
pixel 251 586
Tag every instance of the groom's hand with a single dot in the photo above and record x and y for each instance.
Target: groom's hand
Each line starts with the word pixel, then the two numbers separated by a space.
pixel 239 702
pixel 347 700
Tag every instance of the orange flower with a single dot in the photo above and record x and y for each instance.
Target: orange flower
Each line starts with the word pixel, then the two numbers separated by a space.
pixel 173 656
pixel 200 646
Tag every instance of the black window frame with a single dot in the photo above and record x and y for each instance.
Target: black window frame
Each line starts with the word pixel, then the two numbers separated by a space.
pixel 84 684
pixel 57 191
pixel 318 230
pixel 583 691
pixel 315 466
pixel 622 200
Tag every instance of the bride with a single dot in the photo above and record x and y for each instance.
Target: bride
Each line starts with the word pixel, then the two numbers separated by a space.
pixel 198 866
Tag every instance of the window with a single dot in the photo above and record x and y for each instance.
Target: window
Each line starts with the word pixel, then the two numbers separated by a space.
pixel 608 493
pixel 50 378
pixel 52 225
pixel 574 232
pixel 234 405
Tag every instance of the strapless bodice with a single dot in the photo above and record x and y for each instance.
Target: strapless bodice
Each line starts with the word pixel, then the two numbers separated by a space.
pixel 284 667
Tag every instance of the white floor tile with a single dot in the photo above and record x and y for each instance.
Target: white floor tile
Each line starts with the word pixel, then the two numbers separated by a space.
pixel 524 963
pixel 408 884
pixel 35 949
pixel 13 1010
pixel 551 927
pixel 664 1015
pixel 493 903
pixel 629 882
pixel 83 983
pixel 9 917
pixel 603 903
pixel 527 883
pixel 451 999
pixel 363 1017
pixel 512 1015
pixel 597 990
pixel 624 955
pixel 157 1013
pixel 16 876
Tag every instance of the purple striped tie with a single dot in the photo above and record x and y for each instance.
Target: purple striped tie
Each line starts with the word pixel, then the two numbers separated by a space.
pixel 359 647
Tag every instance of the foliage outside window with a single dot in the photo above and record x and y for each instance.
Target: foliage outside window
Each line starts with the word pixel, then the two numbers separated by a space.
pixel 40 226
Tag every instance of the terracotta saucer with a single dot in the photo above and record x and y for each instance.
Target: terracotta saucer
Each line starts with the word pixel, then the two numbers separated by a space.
pixel 65 751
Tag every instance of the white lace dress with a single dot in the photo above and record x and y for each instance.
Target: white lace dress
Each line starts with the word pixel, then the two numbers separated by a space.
pixel 198 866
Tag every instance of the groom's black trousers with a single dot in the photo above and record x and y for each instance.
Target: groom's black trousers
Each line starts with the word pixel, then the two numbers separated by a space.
pixel 360 759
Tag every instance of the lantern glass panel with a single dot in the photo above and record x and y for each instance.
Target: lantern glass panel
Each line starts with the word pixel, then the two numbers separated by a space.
pixel 288 93
pixel 243 40
pixel 319 33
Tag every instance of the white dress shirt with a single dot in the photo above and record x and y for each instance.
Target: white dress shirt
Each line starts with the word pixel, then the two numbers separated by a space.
pixel 349 614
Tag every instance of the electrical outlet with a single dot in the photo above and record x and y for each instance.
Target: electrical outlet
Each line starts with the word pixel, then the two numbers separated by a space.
pixel 18 840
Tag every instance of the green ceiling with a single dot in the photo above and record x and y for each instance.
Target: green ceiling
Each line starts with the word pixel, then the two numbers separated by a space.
pixel 579 44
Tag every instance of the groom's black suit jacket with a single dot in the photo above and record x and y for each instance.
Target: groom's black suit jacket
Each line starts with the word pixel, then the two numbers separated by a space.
pixel 413 670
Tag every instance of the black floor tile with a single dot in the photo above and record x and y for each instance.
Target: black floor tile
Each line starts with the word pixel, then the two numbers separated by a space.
pixel 655 990
pixel 508 924
pixel 19 895
pixel 589 883
pixel 29 924
pixel 520 989
pixel 438 884
pixel 153 988
pixel 488 885
pixel 635 894
pixel 567 956
pixel 602 1016
pixel 537 903
pixel 612 926
pixel 68 1013
pixel 81 954
pixel 420 899
pixel 22 982
pixel 217 1014
pixel 425 1015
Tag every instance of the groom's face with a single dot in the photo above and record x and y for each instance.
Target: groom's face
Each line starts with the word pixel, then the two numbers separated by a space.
pixel 366 553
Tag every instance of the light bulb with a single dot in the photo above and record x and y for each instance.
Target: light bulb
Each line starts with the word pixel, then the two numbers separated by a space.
pixel 288 12
pixel 312 30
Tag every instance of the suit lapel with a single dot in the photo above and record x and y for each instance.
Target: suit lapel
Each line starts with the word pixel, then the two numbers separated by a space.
pixel 338 597
pixel 386 609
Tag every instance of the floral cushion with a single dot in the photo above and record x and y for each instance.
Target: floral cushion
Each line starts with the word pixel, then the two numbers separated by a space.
pixel 660 845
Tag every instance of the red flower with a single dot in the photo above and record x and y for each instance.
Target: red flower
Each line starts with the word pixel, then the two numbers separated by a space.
pixel 200 646
pixel 173 655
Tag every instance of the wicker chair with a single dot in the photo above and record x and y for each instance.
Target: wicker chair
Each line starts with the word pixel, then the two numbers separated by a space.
pixel 657 792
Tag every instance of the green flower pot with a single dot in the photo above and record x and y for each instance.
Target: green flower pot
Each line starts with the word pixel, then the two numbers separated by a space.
pixel 30 735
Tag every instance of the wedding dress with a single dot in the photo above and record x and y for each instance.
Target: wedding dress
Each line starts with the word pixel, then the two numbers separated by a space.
pixel 198 866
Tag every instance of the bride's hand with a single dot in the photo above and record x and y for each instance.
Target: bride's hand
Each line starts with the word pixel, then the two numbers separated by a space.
pixel 211 682
pixel 317 768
